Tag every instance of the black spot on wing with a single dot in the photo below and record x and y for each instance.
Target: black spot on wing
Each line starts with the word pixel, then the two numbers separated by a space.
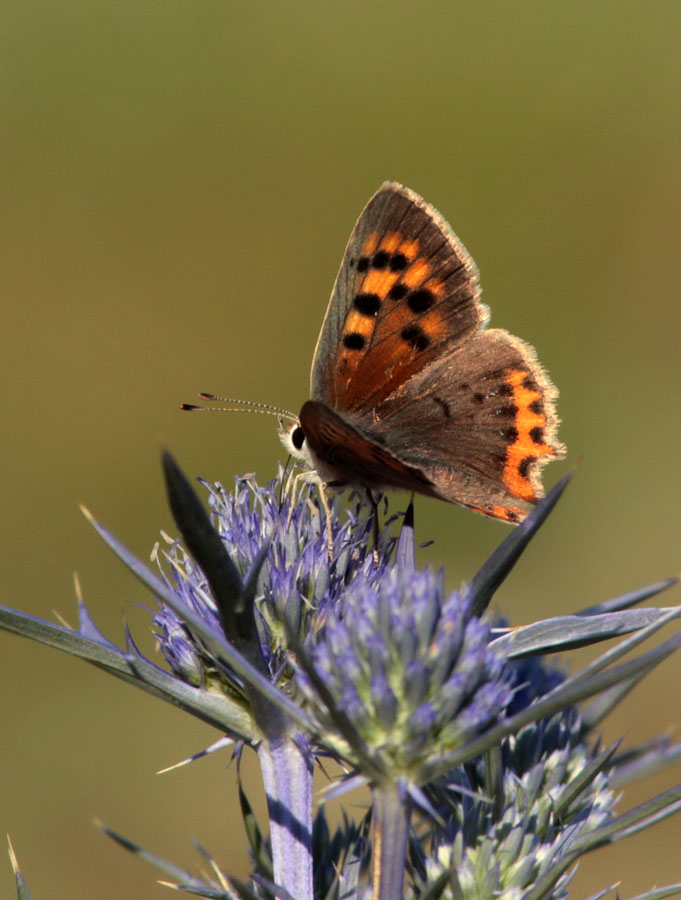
pixel 421 300
pixel 398 291
pixel 415 337
pixel 354 341
pixel 367 304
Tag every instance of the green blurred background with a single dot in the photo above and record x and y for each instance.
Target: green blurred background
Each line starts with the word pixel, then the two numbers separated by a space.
pixel 179 181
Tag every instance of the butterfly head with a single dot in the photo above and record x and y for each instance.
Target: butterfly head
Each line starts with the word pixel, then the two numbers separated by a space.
pixel 292 437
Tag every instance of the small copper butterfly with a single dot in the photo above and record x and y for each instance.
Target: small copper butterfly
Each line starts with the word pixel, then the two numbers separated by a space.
pixel 410 390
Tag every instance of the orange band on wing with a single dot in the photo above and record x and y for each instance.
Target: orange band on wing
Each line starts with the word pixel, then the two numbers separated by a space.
pixel 529 446
pixel 356 323
pixel 434 326
pixel 370 244
pixel 410 248
pixel 417 273
pixel 379 282
pixel 435 286
pixel 391 242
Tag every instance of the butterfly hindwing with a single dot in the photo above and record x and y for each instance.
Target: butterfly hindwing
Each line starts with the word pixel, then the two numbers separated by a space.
pixel 407 290
pixel 479 423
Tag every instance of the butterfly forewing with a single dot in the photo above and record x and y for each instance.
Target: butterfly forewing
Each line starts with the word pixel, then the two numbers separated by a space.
pixel 406 291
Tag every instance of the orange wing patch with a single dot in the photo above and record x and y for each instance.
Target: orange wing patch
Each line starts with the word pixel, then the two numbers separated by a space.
pixel 529 447
pixel 393 242
pixel 390 315
pixel 380 267
pixel 370 244
pixel 417 273
pixel 379 282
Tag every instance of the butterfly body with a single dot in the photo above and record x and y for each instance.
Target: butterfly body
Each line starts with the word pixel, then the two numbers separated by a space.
pixel 346 455
pixel 410 390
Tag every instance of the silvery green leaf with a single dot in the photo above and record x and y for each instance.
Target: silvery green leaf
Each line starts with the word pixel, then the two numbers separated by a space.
pixel 493 572
pixel 601 894
pixel 404 554
pixel 205 545
pixel 342 786
pixel 563 633
pixel 157 862
pixel 655 810
pixel 210 893
pixel 256 840
pixel 652 758
pixel 631 599
pixel 218 644
pixel 23 892
pixel 215 709
pixel 659 893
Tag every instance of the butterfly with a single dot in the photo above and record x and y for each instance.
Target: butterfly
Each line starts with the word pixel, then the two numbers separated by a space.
pixel 409 388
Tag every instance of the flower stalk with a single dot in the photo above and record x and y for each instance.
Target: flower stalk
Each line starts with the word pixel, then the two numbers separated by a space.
pixel 287 775
pixel 391 815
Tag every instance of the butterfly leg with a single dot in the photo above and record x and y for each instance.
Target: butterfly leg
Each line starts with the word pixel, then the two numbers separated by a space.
pixel 292 488
pixel 374 515
pixel 285 484
pixel 327 512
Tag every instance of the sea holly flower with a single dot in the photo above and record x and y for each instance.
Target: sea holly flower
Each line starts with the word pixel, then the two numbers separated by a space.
pixel 486 778
pixel 510 826
pixel 285 548
pixel 410 668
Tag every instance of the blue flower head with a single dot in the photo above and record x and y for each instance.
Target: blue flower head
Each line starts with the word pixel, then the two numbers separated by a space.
pixel 409 666
pixel 306 571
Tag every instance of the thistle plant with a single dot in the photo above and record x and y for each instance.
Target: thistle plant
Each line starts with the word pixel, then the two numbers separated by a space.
pixel 298 636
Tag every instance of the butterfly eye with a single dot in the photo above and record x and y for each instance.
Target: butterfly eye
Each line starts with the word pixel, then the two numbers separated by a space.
pixel 298 437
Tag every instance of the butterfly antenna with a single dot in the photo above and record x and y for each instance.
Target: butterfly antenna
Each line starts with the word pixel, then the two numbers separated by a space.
pixel 264 409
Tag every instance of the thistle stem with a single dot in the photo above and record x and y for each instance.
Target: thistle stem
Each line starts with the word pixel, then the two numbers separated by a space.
pixel 391 815
pixel 287 777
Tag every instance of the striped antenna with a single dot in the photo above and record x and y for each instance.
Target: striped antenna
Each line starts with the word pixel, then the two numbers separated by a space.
pixel 264 409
